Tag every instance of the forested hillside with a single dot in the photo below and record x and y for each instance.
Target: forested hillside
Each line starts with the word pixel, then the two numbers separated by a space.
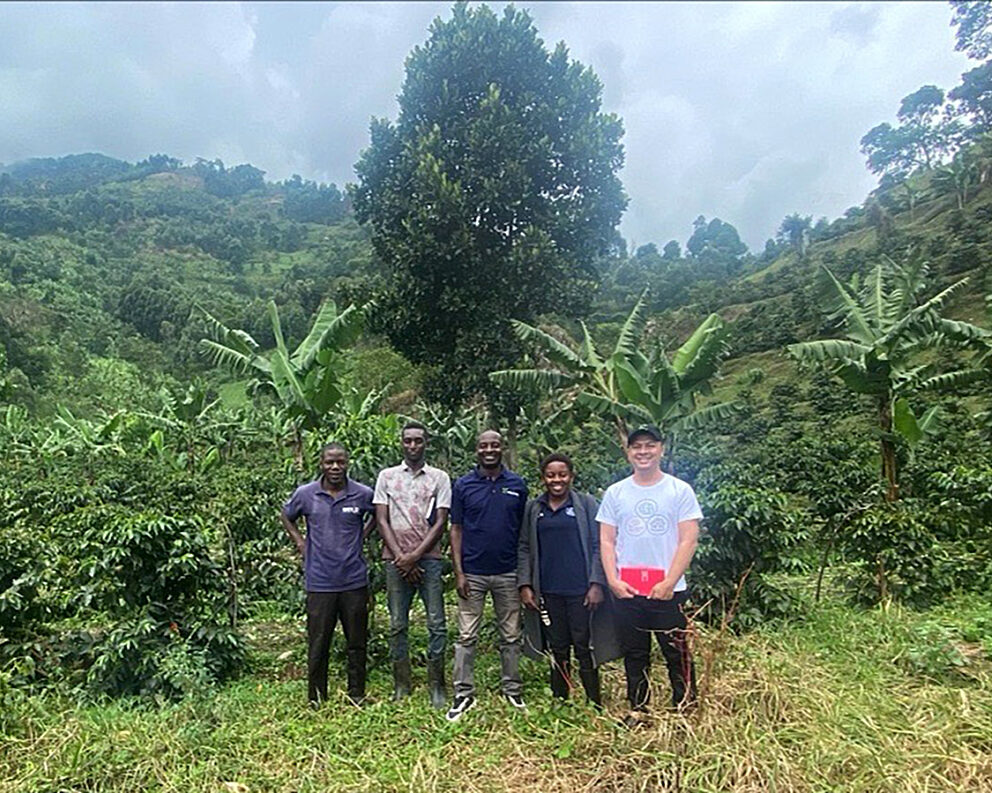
pixel 177 340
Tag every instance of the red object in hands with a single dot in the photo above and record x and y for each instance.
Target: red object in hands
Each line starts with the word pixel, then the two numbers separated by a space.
pixel 642 579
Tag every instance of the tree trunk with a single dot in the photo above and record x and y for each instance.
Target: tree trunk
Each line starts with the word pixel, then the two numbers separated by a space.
pixel 621 427
pixel 511 442
pixel 298 449
pixel 888 448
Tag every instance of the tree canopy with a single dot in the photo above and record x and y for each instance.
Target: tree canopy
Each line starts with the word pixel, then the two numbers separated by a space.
pixel 492 195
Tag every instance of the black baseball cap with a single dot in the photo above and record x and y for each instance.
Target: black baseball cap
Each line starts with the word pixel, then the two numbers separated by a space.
pixel 645 429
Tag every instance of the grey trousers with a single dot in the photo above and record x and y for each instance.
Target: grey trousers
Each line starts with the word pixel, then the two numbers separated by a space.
pixel 506 604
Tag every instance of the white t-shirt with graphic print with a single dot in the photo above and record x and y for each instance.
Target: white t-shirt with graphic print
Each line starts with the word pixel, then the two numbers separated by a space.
pixel 647 520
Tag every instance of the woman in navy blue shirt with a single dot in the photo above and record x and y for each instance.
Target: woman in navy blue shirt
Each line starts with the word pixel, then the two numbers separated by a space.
pixel 561 580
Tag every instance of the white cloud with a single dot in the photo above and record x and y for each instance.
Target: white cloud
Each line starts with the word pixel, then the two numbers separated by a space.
pixel 744 111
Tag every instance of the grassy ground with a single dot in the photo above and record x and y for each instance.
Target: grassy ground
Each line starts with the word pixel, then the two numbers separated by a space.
pixel 841 700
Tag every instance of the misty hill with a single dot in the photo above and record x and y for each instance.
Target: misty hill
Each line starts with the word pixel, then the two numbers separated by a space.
pixel 102 262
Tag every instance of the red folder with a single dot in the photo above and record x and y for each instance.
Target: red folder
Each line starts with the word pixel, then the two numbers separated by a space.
pixel 642 579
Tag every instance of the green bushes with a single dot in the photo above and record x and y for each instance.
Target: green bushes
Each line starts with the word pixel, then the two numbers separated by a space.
pixel 750 532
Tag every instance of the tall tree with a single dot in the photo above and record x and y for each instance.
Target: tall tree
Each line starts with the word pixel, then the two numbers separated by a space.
pixel 887 325
pixel 716 245
pixel 924 137
pixel 975 97
pixel 491 197
pixel 795 230
pixel 973 21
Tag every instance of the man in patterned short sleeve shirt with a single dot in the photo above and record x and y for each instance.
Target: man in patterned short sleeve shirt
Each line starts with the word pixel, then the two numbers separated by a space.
pixel 411 505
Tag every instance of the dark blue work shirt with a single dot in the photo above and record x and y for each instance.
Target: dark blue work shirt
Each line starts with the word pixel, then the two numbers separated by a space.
pixel 333 559
pixel 563 565
pixel 490 512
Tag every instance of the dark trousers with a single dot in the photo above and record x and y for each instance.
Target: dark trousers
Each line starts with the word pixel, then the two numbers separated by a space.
pixel 324 609
pixel 569 629
pixel 637 620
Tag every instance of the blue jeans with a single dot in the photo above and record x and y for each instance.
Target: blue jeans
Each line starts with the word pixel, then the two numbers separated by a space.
pixel 400 593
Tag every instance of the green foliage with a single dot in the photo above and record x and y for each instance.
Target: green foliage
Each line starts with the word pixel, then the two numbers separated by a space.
pixel 973 21
pixel 887 326
pixel 750 532
pixel 306 381
pixel 501 170
pixel 932 653
pixel 630 386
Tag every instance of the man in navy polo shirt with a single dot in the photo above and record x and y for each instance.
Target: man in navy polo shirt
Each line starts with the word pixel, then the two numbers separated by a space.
pixel 337 511
pixel 487 506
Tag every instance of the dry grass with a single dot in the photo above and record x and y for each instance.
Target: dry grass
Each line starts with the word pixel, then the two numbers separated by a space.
pixel 819 705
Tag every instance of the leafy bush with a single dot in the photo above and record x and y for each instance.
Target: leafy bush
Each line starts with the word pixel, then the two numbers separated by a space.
pixel 163 597
pixel 931 652
pixel 750 531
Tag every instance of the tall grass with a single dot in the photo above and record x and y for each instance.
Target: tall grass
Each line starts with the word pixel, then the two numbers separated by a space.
pixel 842 700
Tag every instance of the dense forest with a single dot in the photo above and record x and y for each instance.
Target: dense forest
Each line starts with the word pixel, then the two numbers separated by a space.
pixel 178 339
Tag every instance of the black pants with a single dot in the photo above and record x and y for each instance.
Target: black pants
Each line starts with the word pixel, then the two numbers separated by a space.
pixel 637 619
pixel 323 611
pixel 569 629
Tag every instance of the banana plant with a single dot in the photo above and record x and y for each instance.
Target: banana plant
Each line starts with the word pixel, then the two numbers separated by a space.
pixel 305 381
pixel 636 383
pixel 887 325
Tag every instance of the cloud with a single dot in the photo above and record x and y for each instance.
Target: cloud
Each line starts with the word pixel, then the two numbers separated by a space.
pixel 744 111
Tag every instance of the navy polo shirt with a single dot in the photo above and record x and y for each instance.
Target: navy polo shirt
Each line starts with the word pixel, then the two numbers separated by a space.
pixel 333 558
pixel 563 565
pixel 490 512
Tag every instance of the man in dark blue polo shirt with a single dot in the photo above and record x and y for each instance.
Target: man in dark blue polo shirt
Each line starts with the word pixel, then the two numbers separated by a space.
pixel 487 506
pixel 337 511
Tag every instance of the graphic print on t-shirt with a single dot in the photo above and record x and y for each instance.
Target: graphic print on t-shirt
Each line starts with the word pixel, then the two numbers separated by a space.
pixel 649 518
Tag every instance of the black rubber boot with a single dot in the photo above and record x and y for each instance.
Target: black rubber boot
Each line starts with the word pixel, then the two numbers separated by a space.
pixel 401 679
pixel 590 682
pixel 435 683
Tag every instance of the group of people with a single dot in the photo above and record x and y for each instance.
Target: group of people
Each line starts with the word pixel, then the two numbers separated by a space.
pixel 566 574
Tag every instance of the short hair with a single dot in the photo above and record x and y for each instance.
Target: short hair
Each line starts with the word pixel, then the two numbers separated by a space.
pixel 333 446
pixel 557 457
pixel 495 431
pixel 413 424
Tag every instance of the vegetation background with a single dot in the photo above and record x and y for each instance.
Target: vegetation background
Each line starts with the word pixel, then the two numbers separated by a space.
pixel 178 340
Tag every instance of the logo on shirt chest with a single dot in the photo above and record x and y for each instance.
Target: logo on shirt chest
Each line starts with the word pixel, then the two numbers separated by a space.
pixel 570 511
pixel 350 510
pixel 649 518
pixel 507 492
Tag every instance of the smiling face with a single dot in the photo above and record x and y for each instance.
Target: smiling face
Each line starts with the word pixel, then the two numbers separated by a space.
pixel 644 453
pixel 489 449
pixel 334 467
pixel 557 478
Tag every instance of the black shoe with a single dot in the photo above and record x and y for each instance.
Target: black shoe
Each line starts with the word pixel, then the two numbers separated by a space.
pixel 460 707
pixel 516 701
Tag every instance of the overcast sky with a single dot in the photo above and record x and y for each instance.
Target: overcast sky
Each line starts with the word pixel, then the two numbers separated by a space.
pixel 747 112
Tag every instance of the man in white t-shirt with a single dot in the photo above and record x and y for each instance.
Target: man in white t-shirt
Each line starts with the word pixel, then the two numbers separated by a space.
pixel 649 526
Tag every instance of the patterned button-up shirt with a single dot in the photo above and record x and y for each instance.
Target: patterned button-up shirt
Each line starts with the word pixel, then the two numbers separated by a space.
pixel 413 499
